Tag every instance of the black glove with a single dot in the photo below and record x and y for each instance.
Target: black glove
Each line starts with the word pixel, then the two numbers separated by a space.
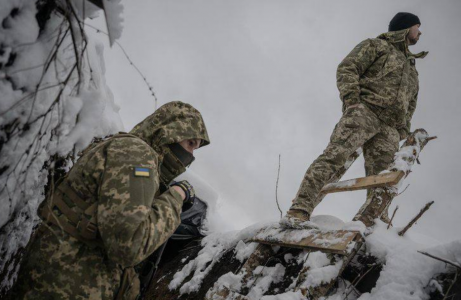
pixel 188 190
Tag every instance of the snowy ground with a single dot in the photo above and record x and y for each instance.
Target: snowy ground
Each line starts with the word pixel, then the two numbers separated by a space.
pixel 406 274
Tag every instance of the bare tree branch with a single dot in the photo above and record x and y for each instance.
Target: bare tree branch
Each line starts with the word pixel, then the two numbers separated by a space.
pixel 276 190
pixel 413 221
pixel 393 215
pixel 441 259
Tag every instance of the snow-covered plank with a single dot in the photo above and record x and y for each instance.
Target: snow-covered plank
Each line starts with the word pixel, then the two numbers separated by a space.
pixel 334 241
pixel 380 180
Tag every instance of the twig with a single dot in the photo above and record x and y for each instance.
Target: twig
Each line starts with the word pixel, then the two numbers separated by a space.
pixel 276 190
pixel 441 259
pixel 425 208
pixel 355 283
pixel 393 215
pixel 451 285
pixel 354 289
pixel 403 190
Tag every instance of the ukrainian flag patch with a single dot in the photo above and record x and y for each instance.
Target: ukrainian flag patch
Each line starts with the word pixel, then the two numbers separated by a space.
pixel 141 172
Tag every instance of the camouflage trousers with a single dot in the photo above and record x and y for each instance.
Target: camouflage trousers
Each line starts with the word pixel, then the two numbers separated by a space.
pixel 358 127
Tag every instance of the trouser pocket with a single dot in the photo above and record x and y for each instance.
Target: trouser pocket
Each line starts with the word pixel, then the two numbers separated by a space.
pixel 129 285
pixel 357 123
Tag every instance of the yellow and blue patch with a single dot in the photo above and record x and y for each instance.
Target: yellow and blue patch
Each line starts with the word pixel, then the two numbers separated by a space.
pixel 141 172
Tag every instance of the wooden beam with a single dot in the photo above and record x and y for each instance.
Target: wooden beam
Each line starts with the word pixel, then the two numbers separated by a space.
pixel 380 180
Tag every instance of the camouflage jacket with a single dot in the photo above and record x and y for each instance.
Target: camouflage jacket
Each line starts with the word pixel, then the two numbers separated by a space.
pixel 381 73
pixel 133 218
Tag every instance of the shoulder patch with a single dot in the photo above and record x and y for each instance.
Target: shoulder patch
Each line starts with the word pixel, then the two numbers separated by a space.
pixel 141 172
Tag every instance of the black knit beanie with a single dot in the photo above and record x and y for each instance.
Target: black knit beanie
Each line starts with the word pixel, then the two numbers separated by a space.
pixel 403 20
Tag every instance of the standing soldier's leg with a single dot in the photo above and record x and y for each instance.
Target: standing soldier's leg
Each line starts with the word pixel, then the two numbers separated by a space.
pixel 355 127
pixel 379 154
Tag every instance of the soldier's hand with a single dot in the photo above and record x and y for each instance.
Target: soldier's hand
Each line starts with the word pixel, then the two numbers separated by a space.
pixel 180 192
pixel 185 189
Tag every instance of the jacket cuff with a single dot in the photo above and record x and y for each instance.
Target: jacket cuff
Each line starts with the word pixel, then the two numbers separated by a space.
pixel 175 195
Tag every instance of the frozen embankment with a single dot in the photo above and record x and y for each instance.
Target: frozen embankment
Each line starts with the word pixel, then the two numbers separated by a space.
pixel 54 101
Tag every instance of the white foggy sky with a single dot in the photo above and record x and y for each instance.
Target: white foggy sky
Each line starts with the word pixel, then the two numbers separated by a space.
pixel 263 74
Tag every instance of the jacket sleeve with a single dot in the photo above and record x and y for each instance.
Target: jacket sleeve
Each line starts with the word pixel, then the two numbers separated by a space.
pixel 410 112
pixel 351 68
pixel 133 224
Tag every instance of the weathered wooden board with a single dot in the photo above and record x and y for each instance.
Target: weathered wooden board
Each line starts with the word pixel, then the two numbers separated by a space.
pixel 381 180
pixel 335 241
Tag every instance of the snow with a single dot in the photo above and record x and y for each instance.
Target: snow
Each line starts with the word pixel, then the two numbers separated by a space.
pixel 320 269
pixel 113 10
pixel 206 193
pixel 214 246
pixel 406 272
pixel 328 222
pixel 405 158
pixel 341 184
pixel 276 233
pixel 43 112
pixel 263 278
pixel 450 251
pixel 243 251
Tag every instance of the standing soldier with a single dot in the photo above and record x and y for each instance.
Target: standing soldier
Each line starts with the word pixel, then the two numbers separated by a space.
pixel 112 210
pixel 378 84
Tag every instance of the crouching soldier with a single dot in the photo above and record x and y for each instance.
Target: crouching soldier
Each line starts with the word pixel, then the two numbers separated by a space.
pixel 113 209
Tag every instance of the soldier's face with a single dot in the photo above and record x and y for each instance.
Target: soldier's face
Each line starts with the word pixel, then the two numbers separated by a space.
pixel 191 145
pixel 413 35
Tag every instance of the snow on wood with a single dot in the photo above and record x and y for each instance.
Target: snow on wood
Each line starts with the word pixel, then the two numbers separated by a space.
pixel 335 241
pixel 380 180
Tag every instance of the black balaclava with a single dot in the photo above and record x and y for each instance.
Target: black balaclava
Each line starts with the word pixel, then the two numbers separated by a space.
pixel 182 154
pixel 403 20
pixel 175 161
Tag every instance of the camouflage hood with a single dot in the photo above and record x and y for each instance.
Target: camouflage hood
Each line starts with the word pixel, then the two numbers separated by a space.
pixel 395 36
pixel 399 39
pixel 171 123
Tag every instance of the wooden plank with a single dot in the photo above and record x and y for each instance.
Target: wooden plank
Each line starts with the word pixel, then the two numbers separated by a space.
pixel 334 241
pixel 380 180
